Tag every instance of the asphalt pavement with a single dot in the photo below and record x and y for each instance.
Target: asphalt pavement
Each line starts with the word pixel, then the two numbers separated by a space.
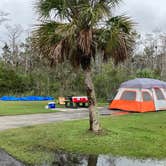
pixel 8 122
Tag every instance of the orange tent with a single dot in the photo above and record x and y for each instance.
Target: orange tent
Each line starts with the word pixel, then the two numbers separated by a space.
pixel 140 95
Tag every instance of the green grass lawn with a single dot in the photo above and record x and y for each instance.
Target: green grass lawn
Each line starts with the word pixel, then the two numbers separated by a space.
pixel 138 135
pixel 101 104
pixel 23 107
pixel 28 107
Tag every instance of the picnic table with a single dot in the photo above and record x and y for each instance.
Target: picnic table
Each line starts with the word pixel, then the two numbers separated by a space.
pixel 76 101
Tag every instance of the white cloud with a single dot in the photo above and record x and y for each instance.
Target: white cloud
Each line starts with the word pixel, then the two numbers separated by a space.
pixel 21 12
pixel 148 14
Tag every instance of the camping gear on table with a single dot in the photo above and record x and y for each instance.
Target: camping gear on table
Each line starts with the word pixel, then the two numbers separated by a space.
pixel 76 101
pixel 61 100
pixel 140 95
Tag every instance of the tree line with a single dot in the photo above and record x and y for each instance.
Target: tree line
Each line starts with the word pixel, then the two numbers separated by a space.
pixel 23 71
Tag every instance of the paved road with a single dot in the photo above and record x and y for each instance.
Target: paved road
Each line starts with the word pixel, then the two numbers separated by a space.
pixel 8 122
pixel 7 160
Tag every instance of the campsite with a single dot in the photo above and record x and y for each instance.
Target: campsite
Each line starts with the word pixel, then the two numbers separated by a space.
pixel 82 83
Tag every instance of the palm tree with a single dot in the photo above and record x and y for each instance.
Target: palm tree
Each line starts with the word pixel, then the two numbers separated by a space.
pixel 76 30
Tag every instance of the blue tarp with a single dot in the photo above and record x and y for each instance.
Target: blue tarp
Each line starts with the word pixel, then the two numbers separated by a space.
pixel 26 98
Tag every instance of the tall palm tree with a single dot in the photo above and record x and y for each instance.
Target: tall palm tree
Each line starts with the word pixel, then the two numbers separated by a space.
pixel 76 30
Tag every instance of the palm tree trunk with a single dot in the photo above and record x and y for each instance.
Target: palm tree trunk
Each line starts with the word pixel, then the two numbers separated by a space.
pixel 92 160
pixel 93 117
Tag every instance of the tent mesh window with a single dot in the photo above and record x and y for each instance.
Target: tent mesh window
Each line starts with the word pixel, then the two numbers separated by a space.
pixel 159 94
pixel 128 95
pixel 146 96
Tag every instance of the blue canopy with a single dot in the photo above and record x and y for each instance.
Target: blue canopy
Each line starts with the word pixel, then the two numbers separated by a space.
pixel 143 83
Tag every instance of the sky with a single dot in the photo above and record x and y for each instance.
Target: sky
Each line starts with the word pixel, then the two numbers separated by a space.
pixel 148 14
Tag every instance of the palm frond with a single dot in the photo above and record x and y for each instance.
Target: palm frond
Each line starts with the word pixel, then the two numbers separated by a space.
pixel 120 43
pixel 85 41
pixel 116 39
pixel 113 3
pixel 81 37
pixel 44 38
pixel 59 8
pixel 123 23
pixel 90 15
pixel 55 40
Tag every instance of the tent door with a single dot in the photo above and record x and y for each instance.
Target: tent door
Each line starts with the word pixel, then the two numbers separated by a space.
pixel 148 101
pixel 159 98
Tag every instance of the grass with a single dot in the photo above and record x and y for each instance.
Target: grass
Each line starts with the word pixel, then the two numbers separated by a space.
pixel 23 107
pixel 101 104
pixel 137 135
pixel 28 107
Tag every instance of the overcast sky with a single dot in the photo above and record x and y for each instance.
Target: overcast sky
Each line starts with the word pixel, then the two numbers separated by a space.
pixel 148 14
